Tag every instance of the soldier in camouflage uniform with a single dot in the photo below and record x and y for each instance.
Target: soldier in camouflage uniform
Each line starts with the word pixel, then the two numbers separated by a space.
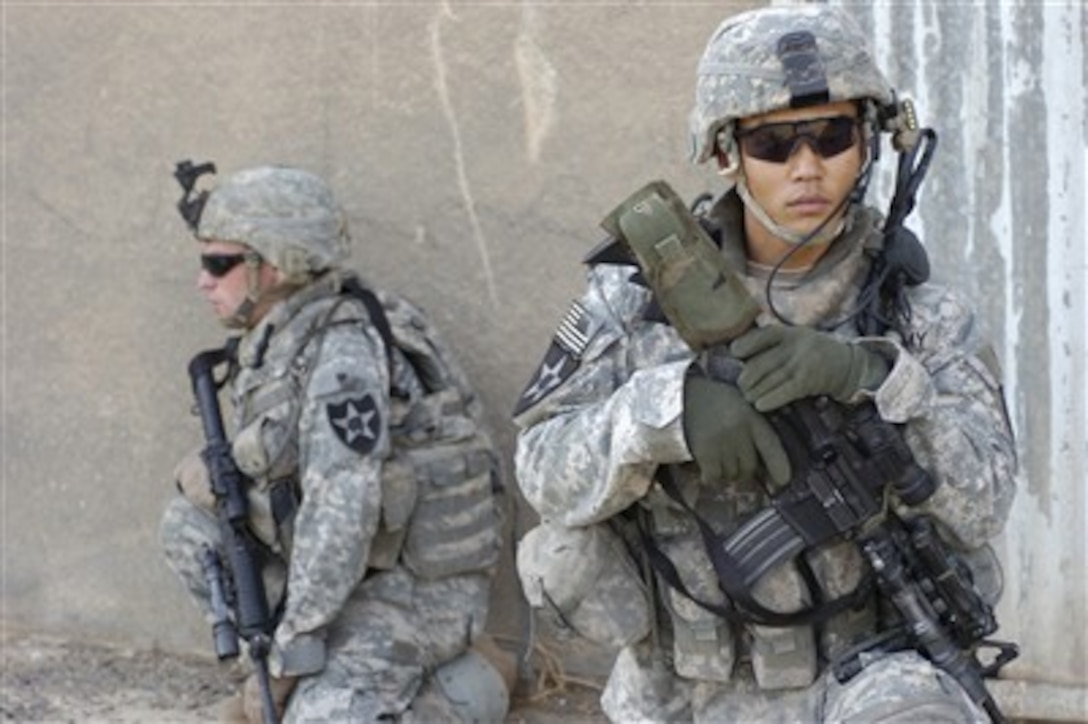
pixel 379 569
pixel 790 106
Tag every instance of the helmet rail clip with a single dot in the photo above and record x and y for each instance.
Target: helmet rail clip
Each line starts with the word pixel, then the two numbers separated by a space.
pixel 190 206
pixel 803 69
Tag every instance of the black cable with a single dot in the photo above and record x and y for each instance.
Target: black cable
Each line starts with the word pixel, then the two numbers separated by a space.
pixel 902 262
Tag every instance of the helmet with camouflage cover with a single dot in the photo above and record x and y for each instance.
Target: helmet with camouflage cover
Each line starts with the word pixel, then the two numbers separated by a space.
pixel 780 57
pixel 287 215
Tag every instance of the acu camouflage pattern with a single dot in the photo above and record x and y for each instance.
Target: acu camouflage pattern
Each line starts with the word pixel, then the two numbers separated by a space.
pixel 585 582
pixel 899 688
pixel 382 572
pixel 287 215
pixel 589 450
pixel 741 75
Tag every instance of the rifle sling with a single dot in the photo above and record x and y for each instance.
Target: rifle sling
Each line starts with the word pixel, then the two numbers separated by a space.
pixel 741 606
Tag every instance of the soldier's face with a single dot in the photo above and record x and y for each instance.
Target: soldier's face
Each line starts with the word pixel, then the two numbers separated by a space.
pixel 800 172
pixel 222 277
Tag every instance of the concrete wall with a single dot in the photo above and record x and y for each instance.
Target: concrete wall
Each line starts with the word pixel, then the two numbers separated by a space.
pixel 475 147
pixel 1004 217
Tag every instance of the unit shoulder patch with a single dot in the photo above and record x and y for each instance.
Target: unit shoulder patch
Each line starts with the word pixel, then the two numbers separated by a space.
pixel 562 358
pixel 356 422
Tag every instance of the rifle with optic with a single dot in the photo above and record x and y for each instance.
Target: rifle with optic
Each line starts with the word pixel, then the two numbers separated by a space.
pixel 238 599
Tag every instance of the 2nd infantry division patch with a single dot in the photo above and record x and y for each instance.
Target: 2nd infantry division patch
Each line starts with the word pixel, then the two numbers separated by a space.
pixel 562 358
pixel 356 421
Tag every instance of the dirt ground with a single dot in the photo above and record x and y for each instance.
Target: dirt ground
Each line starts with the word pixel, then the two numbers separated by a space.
pixel 49 679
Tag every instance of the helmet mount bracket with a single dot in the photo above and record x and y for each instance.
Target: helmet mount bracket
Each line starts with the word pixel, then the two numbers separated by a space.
pixel 803 69
pixel 191 204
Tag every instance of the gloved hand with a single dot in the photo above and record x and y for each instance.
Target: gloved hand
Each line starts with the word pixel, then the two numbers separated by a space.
pixel 783 364
pixel 253 703
pixel 728 438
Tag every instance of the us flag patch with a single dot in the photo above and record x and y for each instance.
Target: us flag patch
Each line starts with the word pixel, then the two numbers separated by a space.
pixel 563 357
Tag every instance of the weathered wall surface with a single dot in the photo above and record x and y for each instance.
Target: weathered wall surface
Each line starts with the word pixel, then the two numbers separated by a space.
pixel 1004 217
pixel 475 146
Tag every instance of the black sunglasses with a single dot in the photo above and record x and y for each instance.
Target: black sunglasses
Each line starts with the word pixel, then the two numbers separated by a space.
pixel 776 142
pixel 219 265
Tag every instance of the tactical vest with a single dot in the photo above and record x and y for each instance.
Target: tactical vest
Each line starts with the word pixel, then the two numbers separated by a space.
pixel 693 287
pixel 440 485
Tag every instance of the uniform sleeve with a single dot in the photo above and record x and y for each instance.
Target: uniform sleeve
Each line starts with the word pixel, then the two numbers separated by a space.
pixel 947 391
pixel 343 439
pixel 593 437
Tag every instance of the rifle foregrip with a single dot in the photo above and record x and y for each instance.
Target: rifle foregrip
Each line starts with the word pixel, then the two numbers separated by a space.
pixel 251 604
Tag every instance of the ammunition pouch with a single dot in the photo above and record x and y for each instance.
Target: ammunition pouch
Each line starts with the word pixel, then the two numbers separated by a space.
pixel 701 297
pixel 440 513
pixel 704 644
pixel 400 490
pixel 455 526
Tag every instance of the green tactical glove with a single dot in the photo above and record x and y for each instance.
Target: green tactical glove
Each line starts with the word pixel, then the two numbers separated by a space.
pixel 728 438
pixel 783 364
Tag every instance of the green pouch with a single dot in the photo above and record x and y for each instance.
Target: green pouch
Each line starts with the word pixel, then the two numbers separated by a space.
pixel 700 295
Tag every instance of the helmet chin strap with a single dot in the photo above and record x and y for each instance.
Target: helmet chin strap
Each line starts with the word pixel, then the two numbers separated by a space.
pixel 242 316
pixel 822 234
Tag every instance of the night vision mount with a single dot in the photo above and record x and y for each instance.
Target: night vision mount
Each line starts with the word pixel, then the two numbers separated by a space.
pixel 191 204
pixel 899 119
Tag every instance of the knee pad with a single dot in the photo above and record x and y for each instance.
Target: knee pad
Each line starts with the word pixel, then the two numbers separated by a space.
pixel 901 687
pixel 474 689
pixel 191 478
pixel 584 578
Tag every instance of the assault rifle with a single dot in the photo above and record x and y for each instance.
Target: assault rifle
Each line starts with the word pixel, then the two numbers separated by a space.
pixel 238 600
pixel 848 463
pixel 942 614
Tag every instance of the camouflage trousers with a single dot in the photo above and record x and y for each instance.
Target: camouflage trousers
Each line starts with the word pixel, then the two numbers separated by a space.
pixel 896 688
pixel 390 635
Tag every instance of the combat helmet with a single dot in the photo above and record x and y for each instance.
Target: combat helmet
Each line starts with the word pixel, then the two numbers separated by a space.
pixel 784 57
pixel 791 57
pixel 288 216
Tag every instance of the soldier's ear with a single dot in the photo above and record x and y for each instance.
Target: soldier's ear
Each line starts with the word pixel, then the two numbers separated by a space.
pixel 272 275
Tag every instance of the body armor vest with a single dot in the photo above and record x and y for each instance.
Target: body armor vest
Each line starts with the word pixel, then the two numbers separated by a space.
pixel 440 484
